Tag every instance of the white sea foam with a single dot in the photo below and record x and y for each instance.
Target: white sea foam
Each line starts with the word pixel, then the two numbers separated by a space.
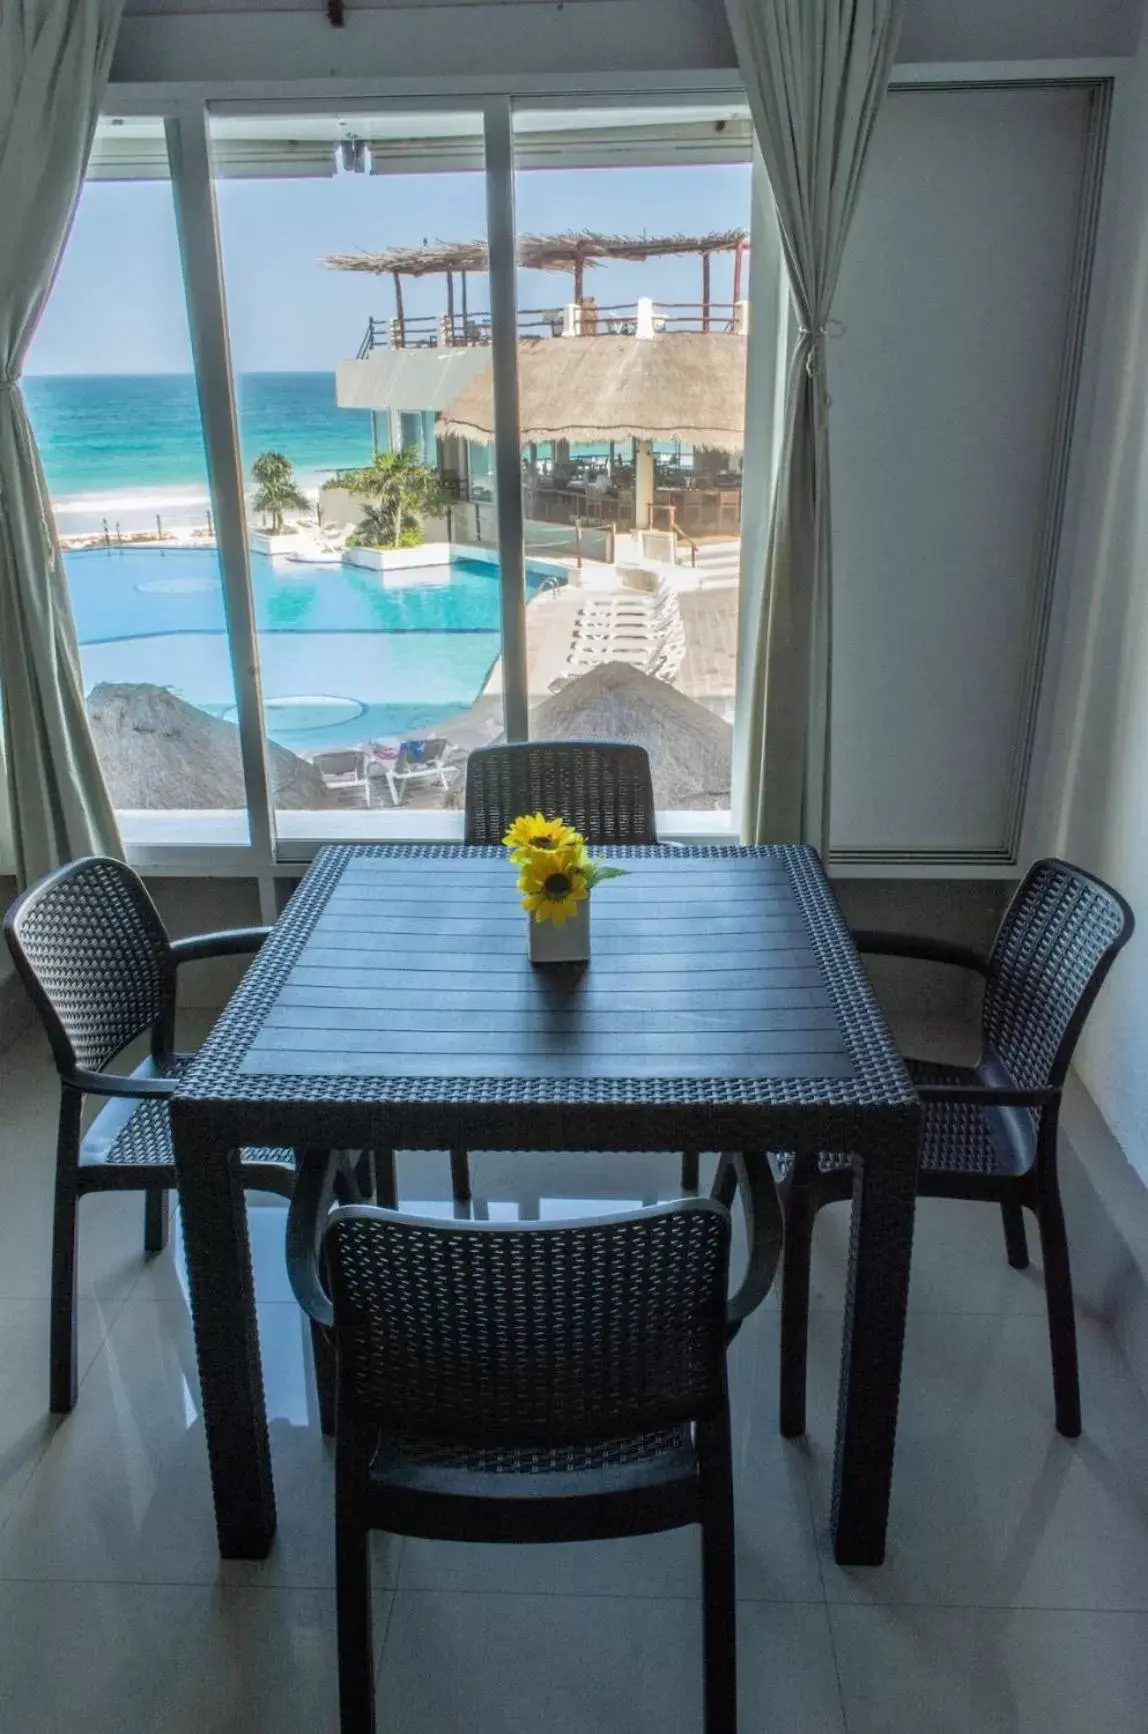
pixel 138 508
pixel 132 500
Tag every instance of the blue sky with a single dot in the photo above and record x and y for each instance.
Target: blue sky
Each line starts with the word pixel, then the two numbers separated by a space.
pixel 117 305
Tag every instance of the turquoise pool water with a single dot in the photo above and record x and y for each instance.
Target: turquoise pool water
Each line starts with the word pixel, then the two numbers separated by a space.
pixel 344 656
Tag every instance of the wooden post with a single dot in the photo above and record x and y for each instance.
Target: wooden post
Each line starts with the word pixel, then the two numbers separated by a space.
pixel 450 305
pixel 643 484
pixel 738 257
pixel 399 309
pixel 705 291
pixel 578 271
pixel 465 326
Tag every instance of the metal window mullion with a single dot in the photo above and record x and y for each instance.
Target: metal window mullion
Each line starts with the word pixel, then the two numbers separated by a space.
pixel 189 153
pixel 499 140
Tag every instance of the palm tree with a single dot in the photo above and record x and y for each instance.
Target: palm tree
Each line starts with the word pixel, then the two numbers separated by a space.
pixel 400 490
pixel 276 488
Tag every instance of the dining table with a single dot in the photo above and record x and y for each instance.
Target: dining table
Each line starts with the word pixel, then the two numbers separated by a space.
pixel 393 1005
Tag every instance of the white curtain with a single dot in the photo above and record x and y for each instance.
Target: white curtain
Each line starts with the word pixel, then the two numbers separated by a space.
pixel 816 73
pixel 54 61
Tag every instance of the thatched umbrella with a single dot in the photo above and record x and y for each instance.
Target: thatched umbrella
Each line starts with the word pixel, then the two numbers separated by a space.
pixel 690 748
pixel 158 751
pixel 681 385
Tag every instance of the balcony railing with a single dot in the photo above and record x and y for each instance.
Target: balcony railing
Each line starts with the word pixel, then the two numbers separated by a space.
pixel 643 318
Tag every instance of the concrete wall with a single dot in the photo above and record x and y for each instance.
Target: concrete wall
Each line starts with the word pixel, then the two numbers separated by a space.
pixel 1096 804
pixel 259 40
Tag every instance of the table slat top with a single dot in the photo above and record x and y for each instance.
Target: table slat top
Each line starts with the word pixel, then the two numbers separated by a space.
pixel 400 975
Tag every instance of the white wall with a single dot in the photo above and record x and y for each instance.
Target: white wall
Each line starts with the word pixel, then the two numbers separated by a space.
pixel 268 39
pixel 956 311
pixel 1098 770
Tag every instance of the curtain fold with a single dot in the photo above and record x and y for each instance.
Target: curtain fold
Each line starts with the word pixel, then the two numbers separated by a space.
pixel 816 73
pixel 55 56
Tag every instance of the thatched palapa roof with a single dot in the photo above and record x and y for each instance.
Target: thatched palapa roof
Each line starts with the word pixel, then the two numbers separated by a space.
pixel 156 750
pixel 680 385
pixel 536 252
pixel 690 748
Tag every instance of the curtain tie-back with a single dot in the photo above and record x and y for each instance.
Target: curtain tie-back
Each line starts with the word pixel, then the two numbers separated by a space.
pixel 832 328
pixel 8 381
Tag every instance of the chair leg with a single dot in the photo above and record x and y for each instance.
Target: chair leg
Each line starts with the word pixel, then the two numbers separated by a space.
pixel 1016 1241
pixel 719 1583
pixel 353 1589
pixel 800 1214
pixel 1061 1317
pixel 386 1179
pixel 460 1176
pixel 62 1344
pixel 725 1182
pixel 323 1354
pixel 157 1218
pixel 365 1177
pixel 691 1170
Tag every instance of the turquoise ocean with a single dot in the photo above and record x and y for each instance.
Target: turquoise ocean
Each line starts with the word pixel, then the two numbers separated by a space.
pixel 124 446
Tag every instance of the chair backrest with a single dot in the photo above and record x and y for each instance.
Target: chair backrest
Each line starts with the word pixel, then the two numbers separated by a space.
pixel 421 755
pixel 1057 941
pixel 340 763
pixel 520 1334
pixel 602 788
pixel 95 957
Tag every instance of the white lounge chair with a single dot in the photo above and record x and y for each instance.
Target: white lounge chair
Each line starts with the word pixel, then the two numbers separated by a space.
pixel 418 762
pixel 345 771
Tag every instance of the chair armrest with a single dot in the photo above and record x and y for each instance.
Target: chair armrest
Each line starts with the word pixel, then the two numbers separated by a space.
pixel 763 1228
pixel 988 1096
pixel 114 1084
pixel 306 1220
pixel 230 944
pixel 880 944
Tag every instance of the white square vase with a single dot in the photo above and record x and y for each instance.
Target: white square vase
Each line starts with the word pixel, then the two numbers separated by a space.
pixel 569 943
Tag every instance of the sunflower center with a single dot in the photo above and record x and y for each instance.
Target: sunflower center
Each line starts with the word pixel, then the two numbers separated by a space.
pixel 546 841
pixel 557 885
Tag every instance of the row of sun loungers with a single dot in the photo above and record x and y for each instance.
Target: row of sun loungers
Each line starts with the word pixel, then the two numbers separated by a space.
pixel 644 629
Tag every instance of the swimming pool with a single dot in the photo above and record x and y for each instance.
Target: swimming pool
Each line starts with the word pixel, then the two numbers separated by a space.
pixel 344 655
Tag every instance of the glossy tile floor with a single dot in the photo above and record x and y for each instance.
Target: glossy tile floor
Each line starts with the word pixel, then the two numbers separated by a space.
pixel 1015 1597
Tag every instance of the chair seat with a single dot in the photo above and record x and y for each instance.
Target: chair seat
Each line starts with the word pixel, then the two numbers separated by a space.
pixel 402 1452
pixel 575 1492
pixel 128 1134
pixel 956 1138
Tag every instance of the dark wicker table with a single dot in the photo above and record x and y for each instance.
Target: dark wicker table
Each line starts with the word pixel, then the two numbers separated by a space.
pixel 725 1008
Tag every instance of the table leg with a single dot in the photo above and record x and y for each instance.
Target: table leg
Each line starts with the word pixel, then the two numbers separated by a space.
pixel 876 1300
pixel 214 1213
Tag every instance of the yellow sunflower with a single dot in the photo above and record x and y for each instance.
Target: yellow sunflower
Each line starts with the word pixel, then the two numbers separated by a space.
pixel 534 831
pixel 553 882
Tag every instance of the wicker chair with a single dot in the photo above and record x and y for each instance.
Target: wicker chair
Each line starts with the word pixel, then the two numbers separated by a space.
pixel 990 1130
pixel 603 789
pixel 510 1383
pixel 95 957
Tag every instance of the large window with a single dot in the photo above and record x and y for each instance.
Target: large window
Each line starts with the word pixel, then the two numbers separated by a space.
pixel 373 546
pixel 633 309
pixel 373 620
pixel 112 398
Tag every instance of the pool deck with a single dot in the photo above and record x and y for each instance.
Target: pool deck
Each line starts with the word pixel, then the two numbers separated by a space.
pixel 708 674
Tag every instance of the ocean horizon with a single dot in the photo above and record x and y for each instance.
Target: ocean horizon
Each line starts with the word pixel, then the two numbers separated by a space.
pixel 127 448
pixel 130 445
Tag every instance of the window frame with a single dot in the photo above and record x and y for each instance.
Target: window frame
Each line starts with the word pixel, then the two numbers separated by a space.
pixel 276 849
